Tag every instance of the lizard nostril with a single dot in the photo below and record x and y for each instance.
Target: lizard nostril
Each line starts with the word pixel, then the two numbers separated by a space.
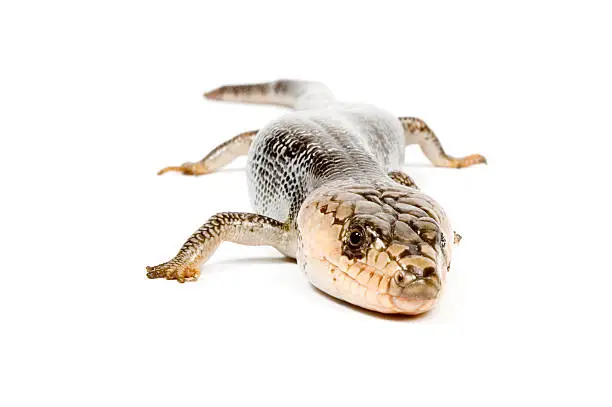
pixel 429 271
pixel 399 278
pixel 412 270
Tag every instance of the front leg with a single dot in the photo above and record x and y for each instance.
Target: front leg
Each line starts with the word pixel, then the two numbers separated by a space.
pixel 416 131
pixel 243 228
pixel 402 178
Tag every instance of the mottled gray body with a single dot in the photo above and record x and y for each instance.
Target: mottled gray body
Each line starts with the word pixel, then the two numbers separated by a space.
pixel 326 187
pixel 303 150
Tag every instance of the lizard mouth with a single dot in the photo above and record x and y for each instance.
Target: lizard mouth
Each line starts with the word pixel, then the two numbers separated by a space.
pixel 371 289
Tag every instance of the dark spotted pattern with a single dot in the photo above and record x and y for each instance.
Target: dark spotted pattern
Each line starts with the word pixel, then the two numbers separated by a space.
pixel 305 150
pixel 407 216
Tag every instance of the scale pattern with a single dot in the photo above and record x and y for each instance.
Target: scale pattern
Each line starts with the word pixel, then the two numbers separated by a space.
pixel 303 150
pixel 326 187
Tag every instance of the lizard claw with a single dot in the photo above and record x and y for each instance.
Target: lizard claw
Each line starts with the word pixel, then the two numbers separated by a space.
pixel 468 161
pixel 173 271
pixel 187 168
pixel 168 169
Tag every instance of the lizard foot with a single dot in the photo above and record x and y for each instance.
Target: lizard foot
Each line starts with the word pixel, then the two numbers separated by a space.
pixel 187 168
pixel 468 161
pixel 174 271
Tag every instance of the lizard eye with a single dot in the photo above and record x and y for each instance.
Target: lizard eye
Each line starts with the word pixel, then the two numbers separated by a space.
pixel 355 238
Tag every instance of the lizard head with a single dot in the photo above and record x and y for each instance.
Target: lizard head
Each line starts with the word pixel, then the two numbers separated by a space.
pixel 385 248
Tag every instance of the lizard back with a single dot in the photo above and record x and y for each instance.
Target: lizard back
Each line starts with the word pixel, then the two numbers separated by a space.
pixel 303 150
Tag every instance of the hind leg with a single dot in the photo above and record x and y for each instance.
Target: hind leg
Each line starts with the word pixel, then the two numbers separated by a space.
pixel 219 157
pixel 416 131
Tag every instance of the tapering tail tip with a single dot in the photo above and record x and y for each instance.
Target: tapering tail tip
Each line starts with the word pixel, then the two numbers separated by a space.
pixel 214 94
pixel 288 93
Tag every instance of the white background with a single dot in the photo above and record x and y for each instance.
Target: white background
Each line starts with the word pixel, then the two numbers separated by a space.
pixel 95 97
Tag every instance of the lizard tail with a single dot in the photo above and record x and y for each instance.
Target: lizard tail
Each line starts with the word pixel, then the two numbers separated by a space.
pixel 289 93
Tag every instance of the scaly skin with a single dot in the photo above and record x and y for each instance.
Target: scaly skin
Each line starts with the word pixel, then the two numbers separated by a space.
pixel 400 264
pixel 326 187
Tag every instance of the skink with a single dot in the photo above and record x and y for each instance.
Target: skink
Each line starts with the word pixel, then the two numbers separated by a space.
pixel 326 187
